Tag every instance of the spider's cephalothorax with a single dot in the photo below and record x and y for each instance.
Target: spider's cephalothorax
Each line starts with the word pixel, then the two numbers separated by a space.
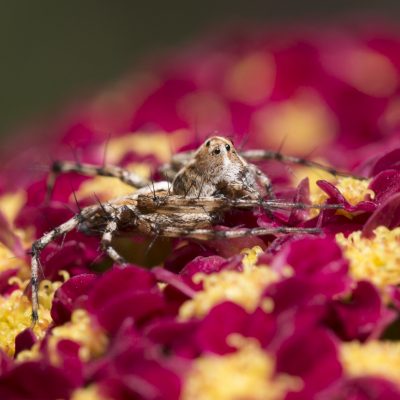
pixel 217 169
pixel 205 184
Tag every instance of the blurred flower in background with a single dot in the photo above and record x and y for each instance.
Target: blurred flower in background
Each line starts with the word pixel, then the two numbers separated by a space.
pixel 262 318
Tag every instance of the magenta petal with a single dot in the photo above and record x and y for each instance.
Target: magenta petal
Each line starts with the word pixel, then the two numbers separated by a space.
pixel 74 256
pixel 385 184
pixel 364 388
pixel 387 214
pixel 70 295
pixel 337 198
pixel 311 255
pixel 295 294
pixel 136 305
pixel 175 281
pixel 185 254
pixel 68 353
pixel 24 340
pixel 363 316
pixel 302 196
pixel 120 280
pixel 134 368
pixel 37 381
pixel 122 293
pixel 390 160
pixel 394 293
pixel 226 318
pixel 332 192
pixel 311 355
pixel 176 337
pixel 222 320
pixel 5 287
pixel 5 362
pixel 318 260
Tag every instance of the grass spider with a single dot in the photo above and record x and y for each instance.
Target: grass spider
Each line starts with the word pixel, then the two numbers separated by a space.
pixel 200 187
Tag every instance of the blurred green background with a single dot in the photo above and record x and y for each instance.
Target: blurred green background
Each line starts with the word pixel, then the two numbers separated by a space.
pixel 55 51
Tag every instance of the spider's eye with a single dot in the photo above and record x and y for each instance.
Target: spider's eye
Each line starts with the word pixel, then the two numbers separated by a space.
pixel 208 144
pixel 217 151
pixel 227 147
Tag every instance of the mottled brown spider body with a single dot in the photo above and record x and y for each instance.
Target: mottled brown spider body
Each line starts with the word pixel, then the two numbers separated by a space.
pixel 205 184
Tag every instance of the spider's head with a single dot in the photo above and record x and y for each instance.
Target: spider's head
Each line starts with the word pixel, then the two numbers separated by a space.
pixel 216 150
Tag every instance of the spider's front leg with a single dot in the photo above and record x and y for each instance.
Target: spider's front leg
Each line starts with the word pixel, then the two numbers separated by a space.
pixel 59 167
pixel 89 215
pixel 37 248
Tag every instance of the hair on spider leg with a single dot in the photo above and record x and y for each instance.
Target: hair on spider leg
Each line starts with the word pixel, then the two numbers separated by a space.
pixel 75 198
pixel 106 217
pixel 76 153
pixel 151 245
pixel 106 143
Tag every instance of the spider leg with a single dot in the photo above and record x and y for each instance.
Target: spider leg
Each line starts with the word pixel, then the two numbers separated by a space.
pixel 42 242
pixel 106 239
pixel 210 234
pixel 128 177
pixel 37 247
pixel 260 155
pixel 178 161
pixel 263 180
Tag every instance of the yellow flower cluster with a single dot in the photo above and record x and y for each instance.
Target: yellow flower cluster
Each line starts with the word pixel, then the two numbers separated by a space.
pixel 15 313
pixel 241 287
pixel 91 392
pixel 223 377
pixel 82 329
pixel 376 259
pixel 373 358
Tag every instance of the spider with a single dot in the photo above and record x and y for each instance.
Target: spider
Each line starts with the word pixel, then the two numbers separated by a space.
pixel 201 186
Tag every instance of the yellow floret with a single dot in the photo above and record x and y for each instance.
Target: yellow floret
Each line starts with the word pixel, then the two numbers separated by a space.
pixel 11 204
pixel 15 313
pixel 249 373
pixel 91 392
pixel 82 329
pixel 85 331
pixel 372 358
pixel 376 259
pixel 9 261
pixel 244 288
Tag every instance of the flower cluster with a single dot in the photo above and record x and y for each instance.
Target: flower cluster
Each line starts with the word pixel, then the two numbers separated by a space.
pixel 279 317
